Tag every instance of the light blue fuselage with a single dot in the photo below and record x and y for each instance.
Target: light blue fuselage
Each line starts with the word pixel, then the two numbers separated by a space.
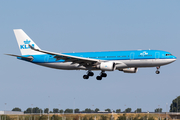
pixel 135 58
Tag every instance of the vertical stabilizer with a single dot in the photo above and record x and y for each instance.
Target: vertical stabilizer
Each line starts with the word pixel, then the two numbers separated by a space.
pixel 23 40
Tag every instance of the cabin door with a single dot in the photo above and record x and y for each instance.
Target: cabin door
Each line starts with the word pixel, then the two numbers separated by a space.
pixel 46 58
pixel 132 56
pixel 157 55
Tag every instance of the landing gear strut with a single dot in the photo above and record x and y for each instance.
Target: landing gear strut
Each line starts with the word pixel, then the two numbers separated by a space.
pixel 157 71
pixel 89 73
pixel 102 74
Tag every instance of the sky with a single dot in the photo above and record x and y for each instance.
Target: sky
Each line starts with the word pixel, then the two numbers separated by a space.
pixel 79 25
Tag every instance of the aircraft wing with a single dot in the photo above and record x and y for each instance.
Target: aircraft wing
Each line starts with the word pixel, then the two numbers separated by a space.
pixel 69 58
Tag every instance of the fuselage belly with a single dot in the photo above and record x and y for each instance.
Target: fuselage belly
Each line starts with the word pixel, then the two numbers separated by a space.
pixel 127 64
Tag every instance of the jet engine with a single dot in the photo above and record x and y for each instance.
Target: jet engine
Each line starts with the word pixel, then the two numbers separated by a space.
pixel 130 70
pixel 107 66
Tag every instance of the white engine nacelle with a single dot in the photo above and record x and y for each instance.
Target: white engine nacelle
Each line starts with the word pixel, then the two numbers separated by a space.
pixel 130 70
pixel 107 66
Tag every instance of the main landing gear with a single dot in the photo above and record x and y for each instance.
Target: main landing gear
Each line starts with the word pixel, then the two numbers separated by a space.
pixel 157 71
pixel 102 74
pixel 89 73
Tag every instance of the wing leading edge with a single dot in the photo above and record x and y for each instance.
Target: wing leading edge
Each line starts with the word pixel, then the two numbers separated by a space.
pixel 69 58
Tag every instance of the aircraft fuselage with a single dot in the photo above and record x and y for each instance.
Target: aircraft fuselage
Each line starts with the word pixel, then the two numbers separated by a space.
pixel 128 59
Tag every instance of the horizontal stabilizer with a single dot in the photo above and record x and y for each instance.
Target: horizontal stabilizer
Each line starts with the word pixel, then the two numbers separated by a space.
pixel 30 58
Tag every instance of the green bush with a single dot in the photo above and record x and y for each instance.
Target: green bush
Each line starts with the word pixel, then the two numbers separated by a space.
pixel 56 117
pixel 85 118
pixel 143 118
pixel 91 118
pixel 76 118
pixel 43 117
pixel 104 117
pixel 150 118
pixel 122 117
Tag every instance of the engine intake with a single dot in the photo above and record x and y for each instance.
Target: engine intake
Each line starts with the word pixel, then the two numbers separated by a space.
pixel 107 66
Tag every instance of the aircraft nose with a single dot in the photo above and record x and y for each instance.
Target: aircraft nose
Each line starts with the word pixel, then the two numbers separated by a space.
pixel 174 59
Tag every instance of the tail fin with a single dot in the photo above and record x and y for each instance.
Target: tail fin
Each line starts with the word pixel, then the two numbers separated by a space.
pixel 23 40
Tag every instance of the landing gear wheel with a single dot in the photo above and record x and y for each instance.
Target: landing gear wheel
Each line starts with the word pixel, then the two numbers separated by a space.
pixel 157 72
pixel 99 78
pixel 103 75
pixel 85 76
pixel 90 74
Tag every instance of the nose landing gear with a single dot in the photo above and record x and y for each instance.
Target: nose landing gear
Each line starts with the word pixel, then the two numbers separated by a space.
pixel 157 71
pixel 89 73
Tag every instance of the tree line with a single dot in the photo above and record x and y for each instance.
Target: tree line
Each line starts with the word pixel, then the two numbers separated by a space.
pixel 87 110
pixel 174 107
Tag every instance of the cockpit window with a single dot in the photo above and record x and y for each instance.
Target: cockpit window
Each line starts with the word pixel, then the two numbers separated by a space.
pixel 168 54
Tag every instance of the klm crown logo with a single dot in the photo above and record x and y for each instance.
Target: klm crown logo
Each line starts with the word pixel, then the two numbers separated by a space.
pixel 26 44
pixel 27 41
pixel 144 53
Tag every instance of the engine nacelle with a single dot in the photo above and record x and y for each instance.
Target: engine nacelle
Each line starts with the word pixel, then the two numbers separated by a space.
pixel 107 66
pixel 130 70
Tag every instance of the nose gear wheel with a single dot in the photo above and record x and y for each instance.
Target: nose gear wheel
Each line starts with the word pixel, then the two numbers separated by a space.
pixel 157 71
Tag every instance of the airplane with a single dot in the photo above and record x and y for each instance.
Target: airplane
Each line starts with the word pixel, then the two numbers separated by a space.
pixel 126 61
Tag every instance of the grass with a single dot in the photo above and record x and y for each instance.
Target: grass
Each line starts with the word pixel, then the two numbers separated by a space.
pixel 120 116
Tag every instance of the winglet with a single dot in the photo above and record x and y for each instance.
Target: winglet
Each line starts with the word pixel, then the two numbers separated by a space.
pixel 33 48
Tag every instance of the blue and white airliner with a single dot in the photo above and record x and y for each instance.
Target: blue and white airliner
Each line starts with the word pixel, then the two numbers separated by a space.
pixel 126 61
